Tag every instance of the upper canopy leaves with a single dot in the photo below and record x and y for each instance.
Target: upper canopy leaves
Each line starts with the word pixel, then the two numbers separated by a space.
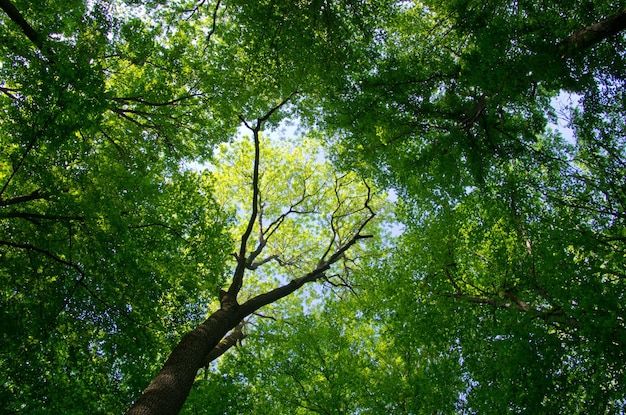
pixel 513 241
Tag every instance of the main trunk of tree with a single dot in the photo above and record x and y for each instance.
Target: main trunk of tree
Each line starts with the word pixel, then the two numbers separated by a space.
pixel 169 389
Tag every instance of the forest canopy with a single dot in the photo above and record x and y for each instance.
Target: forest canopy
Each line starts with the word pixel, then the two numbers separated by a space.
pixel 318 206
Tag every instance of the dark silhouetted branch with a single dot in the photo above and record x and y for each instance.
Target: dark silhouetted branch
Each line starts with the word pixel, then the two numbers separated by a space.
pixel 15 15
pixel 593 34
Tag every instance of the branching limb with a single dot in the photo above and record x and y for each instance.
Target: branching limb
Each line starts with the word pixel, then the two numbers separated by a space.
pixel 35 195
pixel 293 209
pixel 56 258
pixel 519 304
pixel 332 222
pixel 337 215
pixel 212 31
pixel 340 283
pixel 323 265
pixel 124 114
pixel 265 316
pixel 265 233
pixel 250 261
pixel 144 114
pixel 593 34
pixel 36 218
pixel 194 10
pixel 242 260
pixel 233 339
pixel 254 265
pixel 140 100
pixel 27 150
pixel 8 92
pixel 510 301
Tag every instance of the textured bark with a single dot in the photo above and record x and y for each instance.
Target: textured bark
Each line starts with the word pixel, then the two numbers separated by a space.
pixel 169 389
pixel 236 336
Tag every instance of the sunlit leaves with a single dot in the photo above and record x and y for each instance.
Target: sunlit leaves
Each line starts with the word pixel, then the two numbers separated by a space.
pixel 507 282
pixel 104 241
pixel 306 209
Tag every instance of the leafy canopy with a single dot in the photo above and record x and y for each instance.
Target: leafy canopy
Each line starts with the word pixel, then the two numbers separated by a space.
pixel 500 290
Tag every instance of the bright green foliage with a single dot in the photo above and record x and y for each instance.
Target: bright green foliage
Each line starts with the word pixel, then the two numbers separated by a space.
pixel 323 375
pixel 344 357
pixel 108 250
pixel 500 292
pixel 443 100
pixel 522 277
pixel 306 207
pixel 504 292
pixel 306 210
pixel 511 264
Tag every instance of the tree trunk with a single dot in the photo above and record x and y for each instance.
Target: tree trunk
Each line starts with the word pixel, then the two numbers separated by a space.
pixel 169 389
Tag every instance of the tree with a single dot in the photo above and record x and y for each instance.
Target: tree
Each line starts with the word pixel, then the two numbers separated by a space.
pixel 332 227
pixel 517 289
pixel 511 241
pixel 95 210
pixel 104 110
pixel 504 289
pixel 510 248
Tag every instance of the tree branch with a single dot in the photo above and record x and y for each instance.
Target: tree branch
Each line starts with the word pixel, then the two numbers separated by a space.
pixel 36 195
pixel 214 25
pixel 323 265
pixel 18 19
pixel 35 217
pixel 237 281
pixel 549 315
pixel 342 284
pixel 242 261
pixel 235 337
pixel 267 232
pixel 169 389
pixel 8 92
pixel 27 151
pixel 44 252
pixel 140 100
pixel 593 34
pixel 278 106
pixel 254 265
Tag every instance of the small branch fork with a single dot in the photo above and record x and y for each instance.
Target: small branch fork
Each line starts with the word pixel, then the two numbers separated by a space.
pixel 507 299
pixel 265 233
pixel 233 339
